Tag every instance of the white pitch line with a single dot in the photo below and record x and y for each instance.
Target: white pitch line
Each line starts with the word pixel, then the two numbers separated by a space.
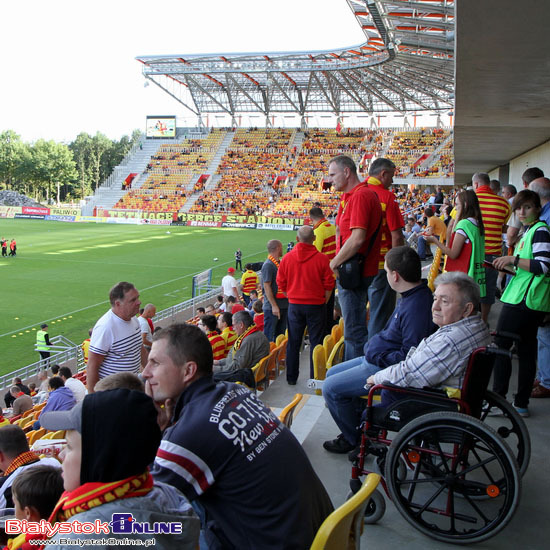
pixel 107 301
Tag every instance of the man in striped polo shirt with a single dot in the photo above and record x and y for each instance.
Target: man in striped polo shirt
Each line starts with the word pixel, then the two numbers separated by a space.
pixel 116 344
pixel 495 211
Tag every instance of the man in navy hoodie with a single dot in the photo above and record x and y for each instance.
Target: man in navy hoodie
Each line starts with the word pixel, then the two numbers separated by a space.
pixel 306 278
pixel 410 322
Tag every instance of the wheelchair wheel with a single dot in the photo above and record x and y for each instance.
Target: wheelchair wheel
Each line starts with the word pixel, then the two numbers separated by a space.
pixel 454 460
pixel 375 508
pixel 510 426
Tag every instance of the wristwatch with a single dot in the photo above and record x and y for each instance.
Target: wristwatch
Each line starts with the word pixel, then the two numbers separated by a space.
pixel 516 261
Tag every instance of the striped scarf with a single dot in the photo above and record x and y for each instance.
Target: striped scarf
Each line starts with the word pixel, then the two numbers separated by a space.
pixel 27 457
pixel 94 494
pixel 252 328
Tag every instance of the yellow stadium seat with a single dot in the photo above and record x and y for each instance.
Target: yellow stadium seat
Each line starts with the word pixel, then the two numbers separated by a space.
pixel 343 528
pixel 319 364
pixel 287 414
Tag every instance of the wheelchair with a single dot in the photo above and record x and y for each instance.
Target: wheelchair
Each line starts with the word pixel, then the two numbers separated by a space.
pixel 449 473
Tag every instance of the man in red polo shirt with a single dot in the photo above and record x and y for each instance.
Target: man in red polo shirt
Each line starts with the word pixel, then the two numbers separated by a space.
pixel 358 227
pixel 381 296
pixel 495 211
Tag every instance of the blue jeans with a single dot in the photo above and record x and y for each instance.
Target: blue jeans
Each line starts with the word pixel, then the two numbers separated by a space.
pixel 543 337
pixel 301 316
pixel 344 384
pixel 382 303
pixel 273 326
pixel 353 304
pixel 421 247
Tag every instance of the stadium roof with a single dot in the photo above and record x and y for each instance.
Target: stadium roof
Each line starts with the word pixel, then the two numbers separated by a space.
pixel 405 65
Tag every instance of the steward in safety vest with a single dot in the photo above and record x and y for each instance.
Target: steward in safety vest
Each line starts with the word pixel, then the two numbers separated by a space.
pixel 43 342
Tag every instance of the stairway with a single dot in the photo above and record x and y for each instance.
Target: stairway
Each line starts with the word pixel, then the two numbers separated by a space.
pixel 108 193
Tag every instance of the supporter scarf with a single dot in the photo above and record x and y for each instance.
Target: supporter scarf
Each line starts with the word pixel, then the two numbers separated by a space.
pixel 22 541
pixel 272 259
pixel 94 494
pixel 252 328
pixel 27 457
pixel 276 262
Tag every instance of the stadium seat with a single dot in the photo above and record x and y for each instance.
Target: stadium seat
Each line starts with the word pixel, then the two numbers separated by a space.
pixel 328 344
pixel 287 414
pixel 337 353
pixel 343 528
pixel 319 364
pixel 260 374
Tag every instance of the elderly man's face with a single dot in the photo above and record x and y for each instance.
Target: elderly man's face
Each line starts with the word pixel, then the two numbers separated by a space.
pixel 239 327
pixel 447 307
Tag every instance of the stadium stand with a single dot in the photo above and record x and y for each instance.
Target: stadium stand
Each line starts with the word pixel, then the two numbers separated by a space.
pixel 170 173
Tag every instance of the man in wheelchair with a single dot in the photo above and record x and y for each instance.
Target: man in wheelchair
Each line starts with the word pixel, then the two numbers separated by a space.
pixel 440 360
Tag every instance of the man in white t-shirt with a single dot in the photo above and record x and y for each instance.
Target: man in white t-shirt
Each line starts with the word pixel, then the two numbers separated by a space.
pixel 229 284
pixel 116 344
pixel 76 386
pixel 149 311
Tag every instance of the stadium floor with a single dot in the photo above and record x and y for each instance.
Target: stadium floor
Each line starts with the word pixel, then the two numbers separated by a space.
pixel 313 424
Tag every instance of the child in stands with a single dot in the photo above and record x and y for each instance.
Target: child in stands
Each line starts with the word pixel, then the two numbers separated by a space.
pixel 35 493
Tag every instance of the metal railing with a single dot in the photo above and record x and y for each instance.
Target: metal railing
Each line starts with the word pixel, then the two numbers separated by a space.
pixel 66 350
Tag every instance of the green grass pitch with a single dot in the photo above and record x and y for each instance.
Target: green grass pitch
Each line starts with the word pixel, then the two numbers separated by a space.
pixel 63 272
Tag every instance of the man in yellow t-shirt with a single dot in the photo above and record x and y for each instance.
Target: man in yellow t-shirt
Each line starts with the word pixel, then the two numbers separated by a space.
pixel 86 347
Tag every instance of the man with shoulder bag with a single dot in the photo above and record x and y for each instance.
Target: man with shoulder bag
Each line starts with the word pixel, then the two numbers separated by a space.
pixel 357 249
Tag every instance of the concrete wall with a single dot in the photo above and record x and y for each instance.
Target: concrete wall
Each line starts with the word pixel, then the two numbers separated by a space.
pixel 539 157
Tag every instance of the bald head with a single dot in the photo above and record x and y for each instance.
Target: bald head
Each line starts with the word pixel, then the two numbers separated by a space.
pixel 274 245
pixel 541 186
pixel 149 311
pixel 306 234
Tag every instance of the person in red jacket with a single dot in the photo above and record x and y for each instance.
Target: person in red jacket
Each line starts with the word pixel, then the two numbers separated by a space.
pixel 306 278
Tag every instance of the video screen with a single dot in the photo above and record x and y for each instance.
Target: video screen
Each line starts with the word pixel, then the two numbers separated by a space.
pixel 161 127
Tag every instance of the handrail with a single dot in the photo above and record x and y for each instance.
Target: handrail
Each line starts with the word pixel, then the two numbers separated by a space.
pixel 69 351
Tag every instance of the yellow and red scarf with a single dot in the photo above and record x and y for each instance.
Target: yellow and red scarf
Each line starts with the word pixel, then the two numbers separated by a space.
pixel 24 458
pixel 252 328
pixel 276 262
pixel 94 494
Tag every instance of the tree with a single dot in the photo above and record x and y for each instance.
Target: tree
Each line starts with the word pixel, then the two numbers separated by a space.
pixel 81 149
pixel 12 150
pixel 50 163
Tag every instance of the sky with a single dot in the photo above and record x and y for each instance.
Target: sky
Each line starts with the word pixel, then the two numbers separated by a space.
pixel 70 67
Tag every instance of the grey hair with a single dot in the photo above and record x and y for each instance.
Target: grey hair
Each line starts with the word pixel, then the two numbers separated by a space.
pixel 380 164
pixel 482 178
pixel 541 186
pixel 466 286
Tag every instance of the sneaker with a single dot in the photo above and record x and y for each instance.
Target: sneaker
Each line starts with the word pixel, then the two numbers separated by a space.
pixel 338 445
pixel 522 411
